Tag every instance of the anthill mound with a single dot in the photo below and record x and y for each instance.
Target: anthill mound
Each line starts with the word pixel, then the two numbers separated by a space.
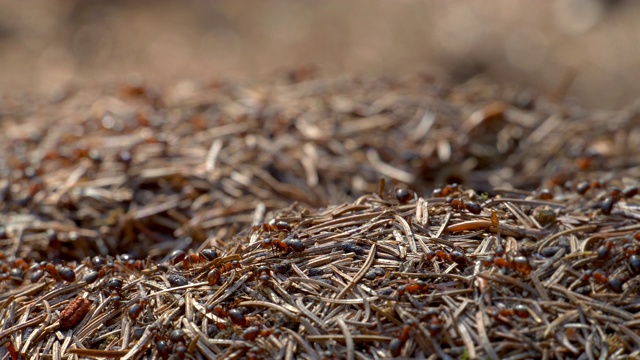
pixel 298 218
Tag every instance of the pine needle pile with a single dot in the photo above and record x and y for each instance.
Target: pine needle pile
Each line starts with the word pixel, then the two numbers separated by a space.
pixel 250 221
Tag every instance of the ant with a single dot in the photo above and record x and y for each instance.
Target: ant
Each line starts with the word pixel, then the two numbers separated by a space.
pixel 414 287
pixel 183 260
pixel 434 325
pixel 519 310
pixel 264 273
pixel 615 195
pixel 220 312
pixel 396 344
pixel 601 277
pixel 14 270
pixel 630 249
pixel 471 206
pixel 58 273
pixel 173 346
pixel 604 250
pixel 520 263
pixel 128 262
pixel 253 331
pixel 545 194
pixel 213 277
pixel 456 256
pixel 448 190
pixel 403 195
pixel 634 264
pixel 273 226
pixel 253 328
pixel 286 245
pixel 137 307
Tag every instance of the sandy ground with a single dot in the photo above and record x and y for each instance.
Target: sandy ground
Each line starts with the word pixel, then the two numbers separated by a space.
pixel 578 48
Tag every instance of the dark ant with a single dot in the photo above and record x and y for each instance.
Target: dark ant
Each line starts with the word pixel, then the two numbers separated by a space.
pixel 403 196
pixel 99 272
pixel 634 264
pixel 162 348
pixel 582 187
pixel 115 286
pixel 264 273
pixel 351 247
pixel 607 205
pixel 615 284
pixel 629 248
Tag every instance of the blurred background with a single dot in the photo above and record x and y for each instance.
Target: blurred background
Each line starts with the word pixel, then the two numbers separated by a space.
pixel 584 49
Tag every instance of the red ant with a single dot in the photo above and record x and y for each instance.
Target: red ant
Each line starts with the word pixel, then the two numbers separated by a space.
pixel 286 246
pixel 252 332
pixel 396 344
pixel 136 308
pixel 213 277
pixel 456 256
pixel 604 249
pixel 434 323
pixel 14 270
pixel 175 346
pixel 471 206
pixel 520 263
pixel 181 259
pixel 446 191
pixel 56 272
pixel 273 226
pixel 236 317
pixel 614 196
pixel 414 287
pixel 519 310
pixel 601 277
pixel 629 248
